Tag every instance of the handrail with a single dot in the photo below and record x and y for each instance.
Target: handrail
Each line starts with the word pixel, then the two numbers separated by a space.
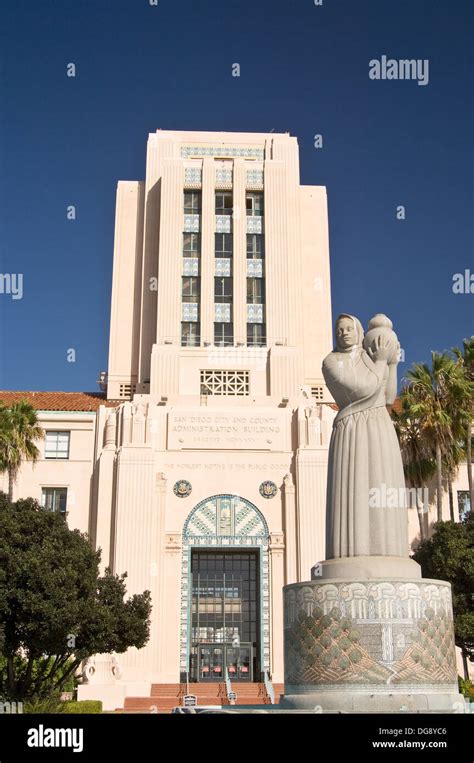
pixel 269 687
pixel 228 685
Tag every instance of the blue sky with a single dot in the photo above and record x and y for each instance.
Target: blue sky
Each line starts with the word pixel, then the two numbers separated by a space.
pixel 304 68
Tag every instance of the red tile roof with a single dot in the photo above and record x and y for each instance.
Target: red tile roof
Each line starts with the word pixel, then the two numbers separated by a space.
pixel 58 401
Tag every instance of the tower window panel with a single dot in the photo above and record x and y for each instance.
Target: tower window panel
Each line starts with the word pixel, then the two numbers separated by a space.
pixel 190 334
pixel 255 268
pixel 223 334
pixel 255 225
pixel 256 335
pixel 254 313
pixel 224 203
pixel 254 204
pixel 190 266
pixel 255 246
pixel 190 312
pixel 190 289
pixel 192 203
pixel 222 313
pixel 223 244
pixel 255 291
pixel 191 244
pixel 223 289
pixel 222 267
pixel 223 224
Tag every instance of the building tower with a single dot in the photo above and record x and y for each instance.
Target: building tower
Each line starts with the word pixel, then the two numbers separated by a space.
pixel 209 486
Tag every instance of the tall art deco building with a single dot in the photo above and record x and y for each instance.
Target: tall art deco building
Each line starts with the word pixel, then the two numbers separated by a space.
pixel 211 482
pixel 202 471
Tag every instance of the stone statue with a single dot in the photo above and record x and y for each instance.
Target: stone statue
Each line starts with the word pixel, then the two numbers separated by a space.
pixel 365 464
pixel 367 634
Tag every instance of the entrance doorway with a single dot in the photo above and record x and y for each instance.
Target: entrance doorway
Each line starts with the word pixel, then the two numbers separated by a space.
pixel 225 616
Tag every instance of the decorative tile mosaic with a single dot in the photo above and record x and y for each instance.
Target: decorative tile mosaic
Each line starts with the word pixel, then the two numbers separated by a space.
pixel 192 175
pixel 223 224
pixel 222 313
pixel 254 224
pixel 223 176
pixel 254 313
pixel 224 151
pixel 190 266
pixel 192 223
pixel 254 177
pixel 254 268
pixel 223 266
pixel 189 312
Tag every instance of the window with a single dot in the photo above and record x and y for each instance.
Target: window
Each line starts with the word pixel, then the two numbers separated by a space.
pixel 191 244
pixel 225 383
pixel 254 202
pixel 57 445
pixel 223 335
pixel 255 291
pixel 54 499
pixel 223 289
pixel 190 334
pixel 223 245
pixel 190 289
pixel 255 248
pixel 464 504
pixel 317 392
pixel 192 203
pixel 127 391
pixel 224 203
pixel 255 334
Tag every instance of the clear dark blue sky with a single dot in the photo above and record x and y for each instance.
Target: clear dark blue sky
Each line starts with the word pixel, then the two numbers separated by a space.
pixel 304 68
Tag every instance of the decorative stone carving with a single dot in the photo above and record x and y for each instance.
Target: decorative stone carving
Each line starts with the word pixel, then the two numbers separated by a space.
pixel 268 489
pixel 182 488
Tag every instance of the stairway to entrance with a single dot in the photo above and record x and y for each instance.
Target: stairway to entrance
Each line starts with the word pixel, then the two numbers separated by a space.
pixel 163 697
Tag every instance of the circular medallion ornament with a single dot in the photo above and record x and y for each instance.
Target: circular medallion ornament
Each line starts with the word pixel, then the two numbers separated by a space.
pixel 182 488
pixel 268 489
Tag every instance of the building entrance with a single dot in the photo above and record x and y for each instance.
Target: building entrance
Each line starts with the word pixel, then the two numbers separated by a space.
pixel 225 616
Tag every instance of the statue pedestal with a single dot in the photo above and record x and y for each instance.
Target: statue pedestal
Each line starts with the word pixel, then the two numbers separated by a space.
pixel 360 643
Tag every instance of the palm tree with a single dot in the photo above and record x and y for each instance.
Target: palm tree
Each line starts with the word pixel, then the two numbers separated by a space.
pixel 466 357
pixel 438 399
pixel 19 429
pixel 418 461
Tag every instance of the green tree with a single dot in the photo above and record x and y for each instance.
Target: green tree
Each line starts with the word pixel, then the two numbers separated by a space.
pixel 55 609
pixel 449 555
pixel 417 456
pixel 438 399
pixel 19 432
pixel 466 357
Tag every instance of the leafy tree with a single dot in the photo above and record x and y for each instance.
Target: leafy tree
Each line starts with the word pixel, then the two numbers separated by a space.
pixel 55 609
pixel 19 431
pixel 418 458
pixel 449 555
pixel 466 356
pixel 439 398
